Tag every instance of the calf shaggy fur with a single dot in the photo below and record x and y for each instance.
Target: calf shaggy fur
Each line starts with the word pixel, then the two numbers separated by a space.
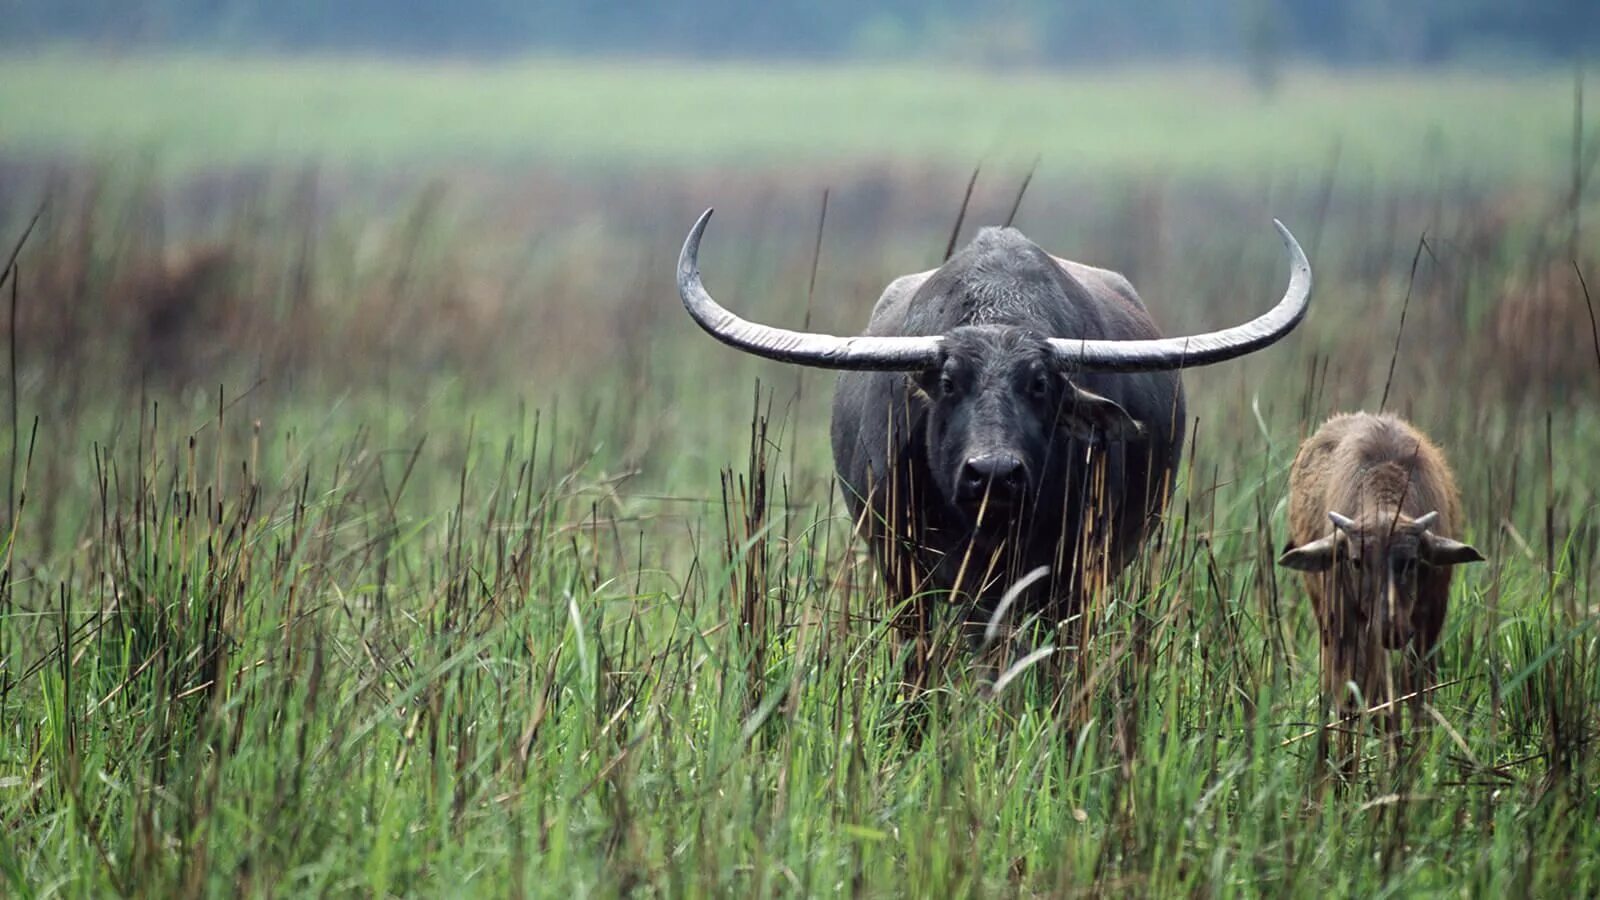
pixel 1373 516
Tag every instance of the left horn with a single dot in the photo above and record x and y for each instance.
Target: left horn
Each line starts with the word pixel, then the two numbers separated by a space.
pixel 1200 349
pixel 824 351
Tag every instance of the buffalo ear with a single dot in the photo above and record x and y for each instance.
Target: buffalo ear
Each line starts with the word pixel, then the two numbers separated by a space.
pixel 1442 551
pixel 1090 417
pixel 1316 556
pixel 925 382
pixel 922 385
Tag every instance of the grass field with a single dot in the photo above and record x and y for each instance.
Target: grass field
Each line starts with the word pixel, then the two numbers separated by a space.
pixel 429 550
pixel 1180 122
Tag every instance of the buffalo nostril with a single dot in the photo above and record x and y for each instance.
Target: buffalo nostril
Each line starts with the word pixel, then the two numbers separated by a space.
pixel 1002 475
pixel 973 483
pixel 972 480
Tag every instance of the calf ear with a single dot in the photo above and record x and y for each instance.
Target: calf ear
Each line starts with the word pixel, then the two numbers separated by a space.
pixel 1317 556
pixel 1090 417
pixel 1441 551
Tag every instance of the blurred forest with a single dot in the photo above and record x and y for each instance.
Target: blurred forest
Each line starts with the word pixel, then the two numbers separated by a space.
pixel 988 32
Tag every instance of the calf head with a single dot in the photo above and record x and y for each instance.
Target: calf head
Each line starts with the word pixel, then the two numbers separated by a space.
pixel 1375 565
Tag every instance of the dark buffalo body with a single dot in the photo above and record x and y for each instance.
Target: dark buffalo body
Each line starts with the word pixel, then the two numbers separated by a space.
pixel 903 442
pixel 1005 411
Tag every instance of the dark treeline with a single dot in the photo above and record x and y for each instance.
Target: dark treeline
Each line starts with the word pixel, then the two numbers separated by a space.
pixel 996 32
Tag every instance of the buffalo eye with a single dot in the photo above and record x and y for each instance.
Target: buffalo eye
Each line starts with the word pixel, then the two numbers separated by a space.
pixel 1039 385
pixel 1404 568
pixel 947 383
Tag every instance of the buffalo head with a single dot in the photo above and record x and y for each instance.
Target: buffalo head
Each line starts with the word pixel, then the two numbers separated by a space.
pixel 998 398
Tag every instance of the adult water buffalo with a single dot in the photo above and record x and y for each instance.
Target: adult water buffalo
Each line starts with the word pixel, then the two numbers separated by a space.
pixel 1007 410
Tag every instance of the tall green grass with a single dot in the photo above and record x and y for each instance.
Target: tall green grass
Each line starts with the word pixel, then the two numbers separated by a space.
pixel 511 619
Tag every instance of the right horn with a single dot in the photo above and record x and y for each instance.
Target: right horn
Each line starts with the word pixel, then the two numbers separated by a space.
pixel 1200 349
pixel 824 351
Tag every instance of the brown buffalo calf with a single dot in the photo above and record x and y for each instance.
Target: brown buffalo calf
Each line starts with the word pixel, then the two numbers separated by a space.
pixel 1373 512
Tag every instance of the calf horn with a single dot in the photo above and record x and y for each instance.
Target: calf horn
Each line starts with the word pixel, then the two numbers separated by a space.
pixel 915 353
